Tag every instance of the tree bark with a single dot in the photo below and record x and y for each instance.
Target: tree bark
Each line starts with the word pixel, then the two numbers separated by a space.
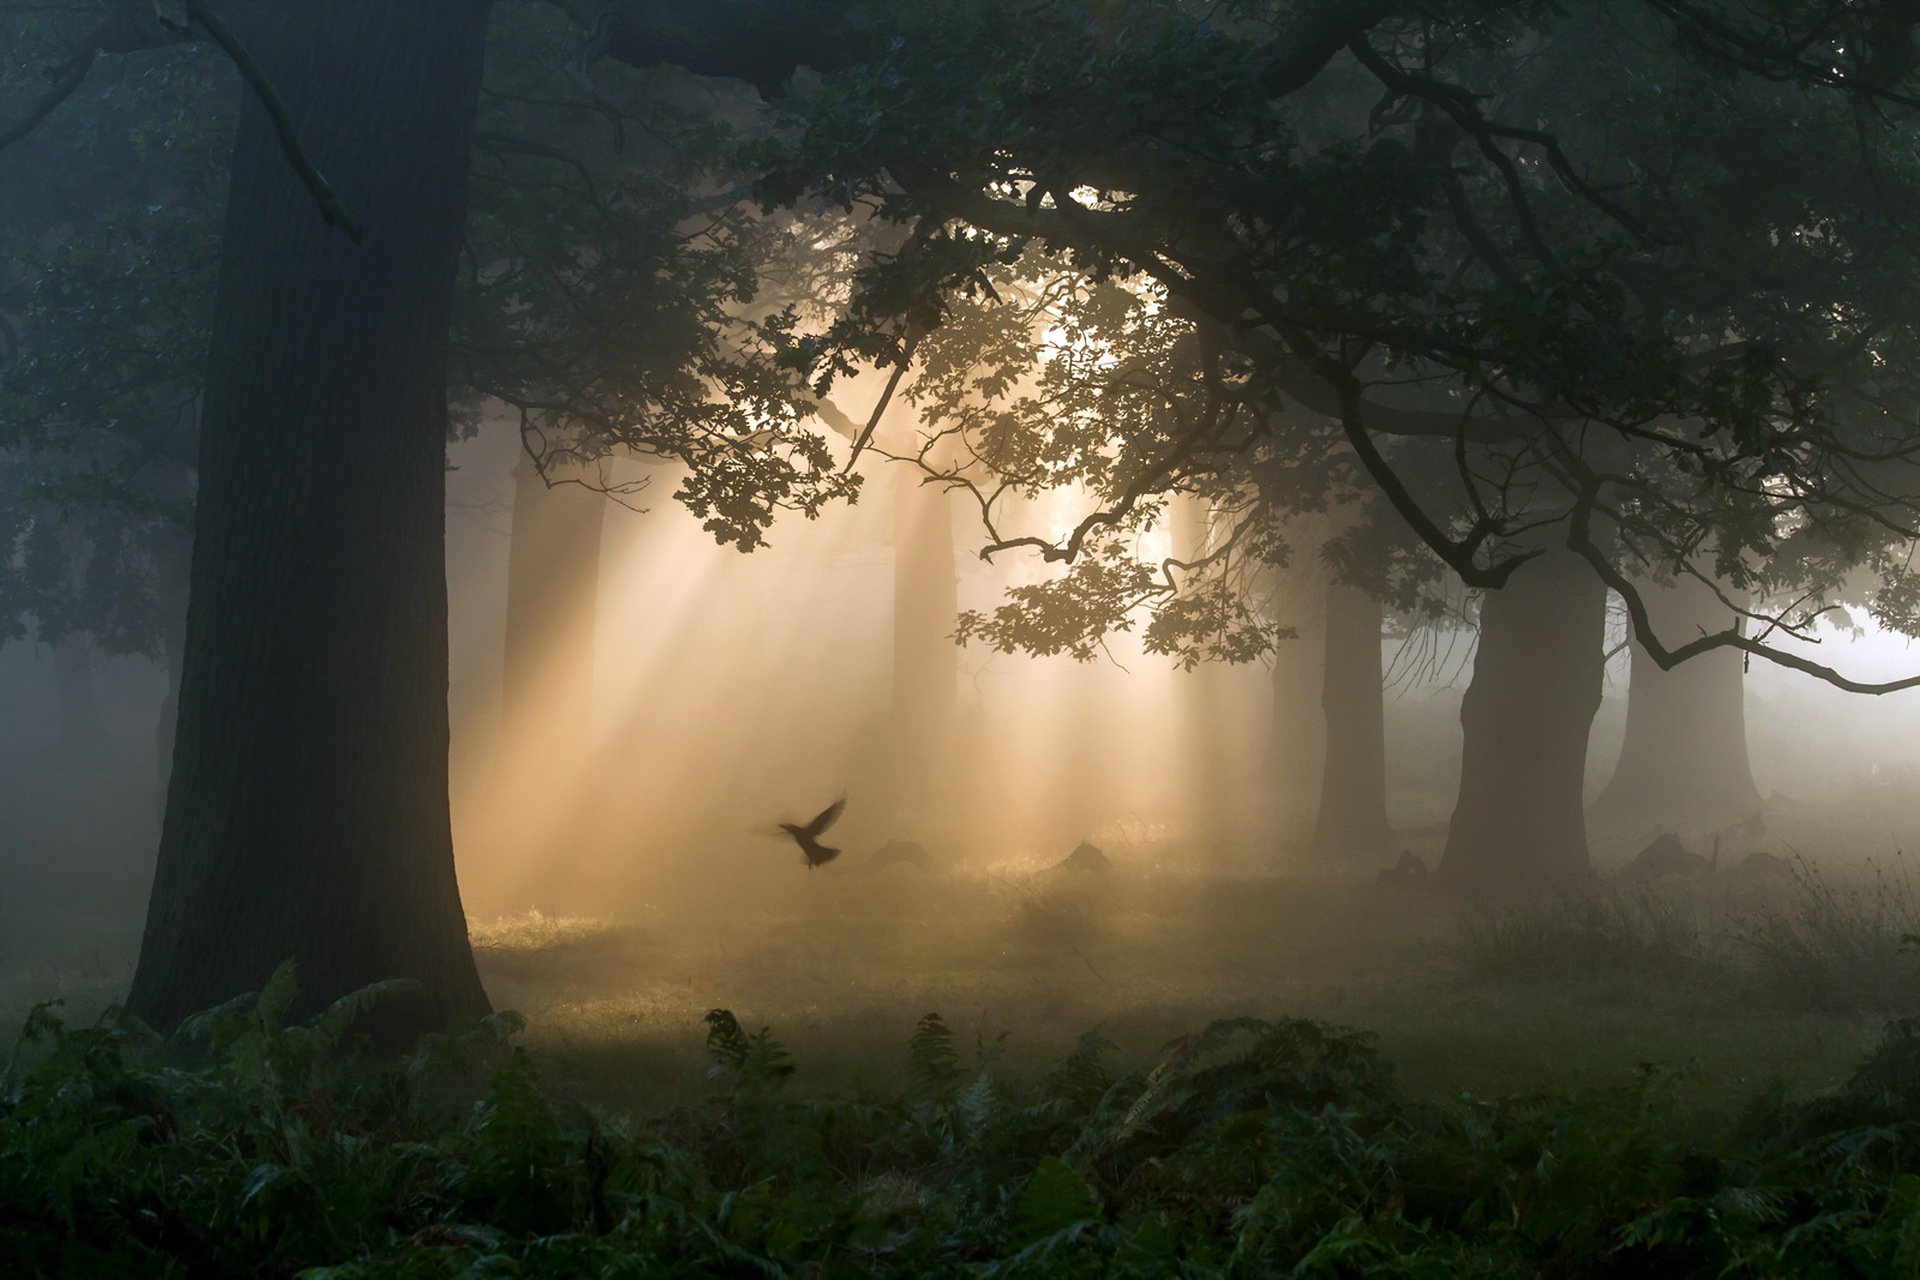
pixel 1683 762
pixel 307 812
pixel 1352 817
pixel 1520 820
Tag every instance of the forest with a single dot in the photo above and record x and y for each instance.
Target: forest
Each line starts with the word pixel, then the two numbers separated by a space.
pixel 1213 638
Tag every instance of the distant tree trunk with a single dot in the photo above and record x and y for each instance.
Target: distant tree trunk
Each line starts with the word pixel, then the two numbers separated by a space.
pixel 1297 739
pixel 553 576
pixel 1353 790
pixel 1536 685
pixel 926 661
pixel 307 813
pixel 1205 758
pixel 78 699
pixel 1683 762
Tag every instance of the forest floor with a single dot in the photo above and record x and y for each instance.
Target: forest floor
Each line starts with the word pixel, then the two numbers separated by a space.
pixel 1736 983
pixel 1701 1076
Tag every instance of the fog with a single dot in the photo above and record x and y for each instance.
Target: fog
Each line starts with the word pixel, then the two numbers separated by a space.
pixel 728 692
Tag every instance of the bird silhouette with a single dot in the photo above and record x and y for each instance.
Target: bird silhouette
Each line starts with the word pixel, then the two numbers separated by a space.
pixel 808 837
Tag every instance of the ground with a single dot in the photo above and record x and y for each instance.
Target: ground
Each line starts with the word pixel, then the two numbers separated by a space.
pixel 842 961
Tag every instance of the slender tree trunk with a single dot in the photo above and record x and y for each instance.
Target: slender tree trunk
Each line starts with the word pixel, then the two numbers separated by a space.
pixel 1297 739
pixel 926 662
pixel 1520 819
pixel 1353 789
pixel 82 728
pixel 307 813
pixel 1205 762
pixel 553 575
pixel 1683 763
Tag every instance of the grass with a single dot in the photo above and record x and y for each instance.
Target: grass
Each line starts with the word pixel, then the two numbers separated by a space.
pixel 1570 993
pixel 1814 941
pixel 844 970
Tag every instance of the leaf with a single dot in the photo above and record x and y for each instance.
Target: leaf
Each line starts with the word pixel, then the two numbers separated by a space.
pixel 277 997
pixel 1056 1198
pixel 342 1013
pixel 259 1179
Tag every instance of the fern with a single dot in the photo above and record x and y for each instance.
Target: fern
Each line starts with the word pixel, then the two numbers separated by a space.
pixel 727 1044
pixel 1250 1148
pixel 933 1065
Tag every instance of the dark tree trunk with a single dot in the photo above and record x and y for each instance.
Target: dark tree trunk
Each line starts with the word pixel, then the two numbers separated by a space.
pixel 926 661
pixel 1683 763
pixel 1520 820
pixel 307 813
pixel 1353 788
pixel 553 576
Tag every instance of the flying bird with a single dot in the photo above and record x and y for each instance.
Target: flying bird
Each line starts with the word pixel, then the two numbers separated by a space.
pixel 808 837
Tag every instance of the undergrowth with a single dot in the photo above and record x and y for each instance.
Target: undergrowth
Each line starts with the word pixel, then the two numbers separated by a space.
pixel 1809 943
pixel 250 1146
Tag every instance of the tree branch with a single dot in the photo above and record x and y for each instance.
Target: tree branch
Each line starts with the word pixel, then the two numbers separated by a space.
pixel 1580 541
pixel 330 207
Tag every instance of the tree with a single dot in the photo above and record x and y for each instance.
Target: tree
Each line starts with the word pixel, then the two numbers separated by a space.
pixel 307 813
pixel 1520 819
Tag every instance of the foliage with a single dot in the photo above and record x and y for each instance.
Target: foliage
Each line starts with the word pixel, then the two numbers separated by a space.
pixel 1621 269
pixel 251 1146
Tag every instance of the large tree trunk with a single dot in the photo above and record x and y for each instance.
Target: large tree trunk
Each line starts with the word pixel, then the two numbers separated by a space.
pixel 1353 789
pixel 1536 685
pixel 307 813
pixel 1683 763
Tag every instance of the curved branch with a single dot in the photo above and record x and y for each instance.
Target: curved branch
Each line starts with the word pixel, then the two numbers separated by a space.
pixel 1580 541
pixel 1458 554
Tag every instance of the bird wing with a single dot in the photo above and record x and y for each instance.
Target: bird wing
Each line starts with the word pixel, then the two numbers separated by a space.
pixel 826 817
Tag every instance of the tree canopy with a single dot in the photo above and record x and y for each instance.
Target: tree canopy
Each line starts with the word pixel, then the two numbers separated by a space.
pixel 1638 272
